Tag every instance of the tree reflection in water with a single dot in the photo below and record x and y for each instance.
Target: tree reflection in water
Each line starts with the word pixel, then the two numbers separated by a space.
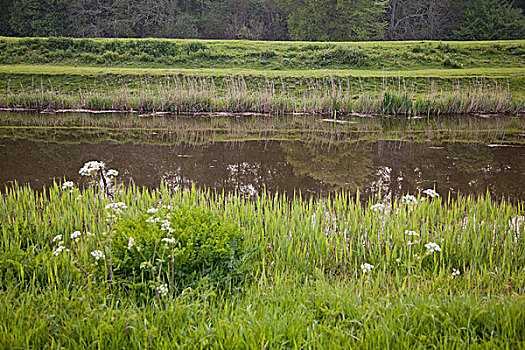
pixel 341 165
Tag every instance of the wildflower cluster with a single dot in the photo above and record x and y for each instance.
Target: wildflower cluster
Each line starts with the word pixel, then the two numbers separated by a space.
pixel 367 268
pixel 91 168
pixel 432 247
pixel 163 290
pixel 68 185
pixel 97 254
pixel 378 208
pixel 409 200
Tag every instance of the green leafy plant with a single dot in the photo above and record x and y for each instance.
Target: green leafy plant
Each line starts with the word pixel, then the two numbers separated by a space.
pixel 176 246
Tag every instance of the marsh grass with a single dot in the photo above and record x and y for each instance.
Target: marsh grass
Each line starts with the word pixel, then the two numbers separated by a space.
pixel 306 289
pixel 192 94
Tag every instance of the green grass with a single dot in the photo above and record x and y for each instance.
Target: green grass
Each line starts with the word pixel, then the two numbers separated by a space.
pixel 306 288
pixel 262 55
pixel 115 67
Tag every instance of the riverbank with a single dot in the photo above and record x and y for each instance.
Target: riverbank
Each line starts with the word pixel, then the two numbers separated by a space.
pixel 408 78
pixel 324 273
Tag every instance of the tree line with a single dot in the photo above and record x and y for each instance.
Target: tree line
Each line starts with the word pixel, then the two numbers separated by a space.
pixel 308 20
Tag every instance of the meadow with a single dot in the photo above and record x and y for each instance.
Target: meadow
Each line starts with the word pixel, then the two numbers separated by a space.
pixel 399 78
pixel 421 271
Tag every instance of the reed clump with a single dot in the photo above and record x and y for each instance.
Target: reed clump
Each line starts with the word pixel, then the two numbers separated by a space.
pixel 191 94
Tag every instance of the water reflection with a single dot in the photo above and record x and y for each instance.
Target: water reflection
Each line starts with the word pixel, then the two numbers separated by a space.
pixel 393 168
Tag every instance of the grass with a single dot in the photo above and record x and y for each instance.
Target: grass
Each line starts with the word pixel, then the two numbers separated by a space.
pixel 261 55
pixel 57 72
pixel 188 94
pixel 305 286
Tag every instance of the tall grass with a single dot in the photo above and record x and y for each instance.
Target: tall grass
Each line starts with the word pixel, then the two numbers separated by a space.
pixel 189 94
pixel 307 286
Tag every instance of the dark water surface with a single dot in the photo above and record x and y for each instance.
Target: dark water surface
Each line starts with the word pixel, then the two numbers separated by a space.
pixel 392 167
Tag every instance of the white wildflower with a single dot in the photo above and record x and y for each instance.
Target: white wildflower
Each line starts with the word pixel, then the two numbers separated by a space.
pixel 97 254
pixel 166 226
pixel 59 250
pixel 432 247
pixel 76 234
pixel 112 173
pixel 89 234
pixel 163 290
pixel 431 193
pixel 57 238
pixel 144 265
pixel 455 273
pixel 91 168
pixel 409 199
pixel 378 207
pixel 168 240
pixel 367 267
pixel 119 206
pixel 411 233
pixel 131 242
pixel 152 211
pixel 68 185
pixel 169 207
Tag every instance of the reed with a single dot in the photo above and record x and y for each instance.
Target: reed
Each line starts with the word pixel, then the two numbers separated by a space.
pixel 191 94
pixel 309 283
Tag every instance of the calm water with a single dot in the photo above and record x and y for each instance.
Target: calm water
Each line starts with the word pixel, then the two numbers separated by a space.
pixel 394 168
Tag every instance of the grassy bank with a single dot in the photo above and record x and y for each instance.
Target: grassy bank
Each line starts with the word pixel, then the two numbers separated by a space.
pixel 188 94
pixel 306 283
pixel 261 55
pixel 390 78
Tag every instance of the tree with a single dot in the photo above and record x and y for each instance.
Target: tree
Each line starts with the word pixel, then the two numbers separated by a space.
pixel 40 18
pixel 491 20
pixel 337 20
pixel 5 15
pixel 422 19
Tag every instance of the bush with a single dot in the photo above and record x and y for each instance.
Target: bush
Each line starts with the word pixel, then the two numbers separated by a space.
pixel 176 247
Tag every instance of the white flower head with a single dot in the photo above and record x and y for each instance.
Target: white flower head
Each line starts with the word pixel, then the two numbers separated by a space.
pixel 97 254
pixel 431 193
pixel 115 206
pixel 432 247
pixel 409 200
pixel 68 185
pixel 455 273
pixel 91 168
pixel 367 267
pixel 411 233
pixel 57 238
pixel 163 290
pixel 378 207
pixel 168 240
pixel 59 250
pixel 76 234
pixel 131 242
pixel 152 211
pixel 112 173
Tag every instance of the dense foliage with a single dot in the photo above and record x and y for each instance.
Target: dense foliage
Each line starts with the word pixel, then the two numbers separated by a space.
pixel 333 20
pixel 176 246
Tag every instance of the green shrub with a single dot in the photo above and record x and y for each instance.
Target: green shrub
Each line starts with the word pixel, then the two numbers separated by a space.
pixel 176 247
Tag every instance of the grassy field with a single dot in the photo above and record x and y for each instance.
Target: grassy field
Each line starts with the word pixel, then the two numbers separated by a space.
pixel 331 273
pixel 117 67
